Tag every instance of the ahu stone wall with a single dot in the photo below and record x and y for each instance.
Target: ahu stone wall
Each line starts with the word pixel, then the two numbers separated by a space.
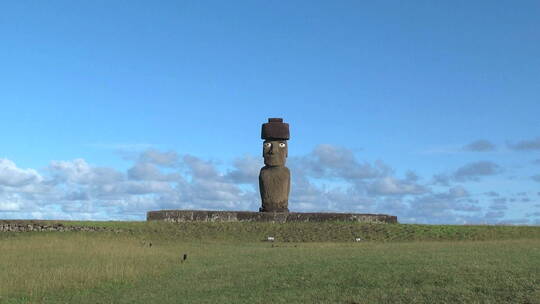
pixel 26 226
pixel 276 217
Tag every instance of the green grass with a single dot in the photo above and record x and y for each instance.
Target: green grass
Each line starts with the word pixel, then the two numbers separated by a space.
pixel 228 263
pixel 317 232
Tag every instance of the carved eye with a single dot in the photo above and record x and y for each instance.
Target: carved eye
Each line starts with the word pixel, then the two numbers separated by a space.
pixel 282 145
pixel 267 145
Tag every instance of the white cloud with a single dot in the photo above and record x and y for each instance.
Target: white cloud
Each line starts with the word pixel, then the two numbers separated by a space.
pixel 457 192
pixel 79 171
pixel 12 176
pixel 327 161
pixel 9 206
pixel 150 172
pixel 391 186
pixel 144 187
pixel 327 179
pixel 200 169
pixel 164 159
pixel 498 204
pixel 480 145
pixel 474 170
pixel 526 145
pixel 246 170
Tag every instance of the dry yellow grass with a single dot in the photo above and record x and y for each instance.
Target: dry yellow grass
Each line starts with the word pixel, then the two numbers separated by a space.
pixel 42 262
pixel 230 264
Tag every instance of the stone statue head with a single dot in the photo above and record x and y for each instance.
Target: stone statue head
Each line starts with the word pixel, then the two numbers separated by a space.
pixel 275 152
pixel 275 134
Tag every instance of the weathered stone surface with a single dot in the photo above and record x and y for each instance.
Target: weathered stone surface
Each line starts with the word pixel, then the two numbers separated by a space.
pixel 32 225
pixel 275 129
pixel 274 177
pixel 276 217
pixel 274 186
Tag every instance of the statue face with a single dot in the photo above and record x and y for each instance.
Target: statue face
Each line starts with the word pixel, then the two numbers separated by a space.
pixel 275 152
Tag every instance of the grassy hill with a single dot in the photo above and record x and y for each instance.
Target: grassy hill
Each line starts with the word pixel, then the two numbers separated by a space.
pixel 316 232
pixel 140 262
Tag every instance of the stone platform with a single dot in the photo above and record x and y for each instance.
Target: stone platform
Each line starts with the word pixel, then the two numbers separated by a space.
pixel 275 217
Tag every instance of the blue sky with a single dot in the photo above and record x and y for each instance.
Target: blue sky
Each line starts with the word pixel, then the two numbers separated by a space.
pixel 425 110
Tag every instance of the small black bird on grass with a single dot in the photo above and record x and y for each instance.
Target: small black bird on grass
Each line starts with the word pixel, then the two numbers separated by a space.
pixel 184 257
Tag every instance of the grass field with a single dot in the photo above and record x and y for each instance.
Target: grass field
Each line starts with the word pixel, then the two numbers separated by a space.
pixel 308 263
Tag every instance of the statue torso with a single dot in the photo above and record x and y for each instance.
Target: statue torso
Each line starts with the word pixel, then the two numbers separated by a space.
pixel 274 185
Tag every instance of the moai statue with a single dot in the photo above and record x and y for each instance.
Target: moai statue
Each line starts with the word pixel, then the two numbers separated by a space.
pixel 275 178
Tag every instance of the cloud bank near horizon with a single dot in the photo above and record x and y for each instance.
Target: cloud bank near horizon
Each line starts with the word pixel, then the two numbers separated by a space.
pixel 329 178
